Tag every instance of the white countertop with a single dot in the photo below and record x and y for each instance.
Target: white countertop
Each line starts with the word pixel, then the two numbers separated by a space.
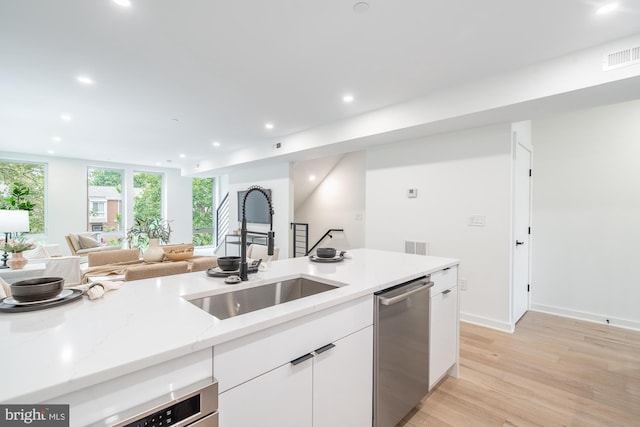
pixel 51 352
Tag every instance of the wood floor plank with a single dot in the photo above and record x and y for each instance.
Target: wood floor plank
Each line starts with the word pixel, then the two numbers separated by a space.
pixel 552 371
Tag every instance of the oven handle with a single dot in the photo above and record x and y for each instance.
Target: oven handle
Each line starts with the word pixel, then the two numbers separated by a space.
pixel 404 296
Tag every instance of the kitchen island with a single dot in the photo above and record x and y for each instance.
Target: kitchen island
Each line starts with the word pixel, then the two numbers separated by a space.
pixel 147 339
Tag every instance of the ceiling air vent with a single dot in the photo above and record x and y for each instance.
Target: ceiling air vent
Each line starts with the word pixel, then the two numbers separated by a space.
pixel 621 58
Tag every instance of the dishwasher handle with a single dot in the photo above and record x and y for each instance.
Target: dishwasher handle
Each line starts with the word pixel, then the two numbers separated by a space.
pixel 404 296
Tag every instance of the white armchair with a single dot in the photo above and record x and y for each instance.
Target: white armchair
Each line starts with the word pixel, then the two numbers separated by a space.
pixel 255 251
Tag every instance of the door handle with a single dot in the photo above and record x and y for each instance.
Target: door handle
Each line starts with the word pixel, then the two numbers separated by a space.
pixel 324 348
pixel 301 359
pixel 402 297
pixel 518 243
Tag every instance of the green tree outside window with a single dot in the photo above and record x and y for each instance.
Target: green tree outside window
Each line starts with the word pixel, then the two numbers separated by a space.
pixel 22 184
pixel 202 215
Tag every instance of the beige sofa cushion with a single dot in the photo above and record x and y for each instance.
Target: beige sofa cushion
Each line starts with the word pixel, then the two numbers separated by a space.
pixel 98 249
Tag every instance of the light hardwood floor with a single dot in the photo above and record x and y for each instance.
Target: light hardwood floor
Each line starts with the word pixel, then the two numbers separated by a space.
pixel 552 371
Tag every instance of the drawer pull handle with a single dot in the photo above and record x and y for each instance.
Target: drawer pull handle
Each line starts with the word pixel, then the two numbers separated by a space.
pixel 325 348
pixel 446 291
pixel 301 359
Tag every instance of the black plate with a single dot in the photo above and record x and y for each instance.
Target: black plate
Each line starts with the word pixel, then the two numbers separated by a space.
pixel 320 259
pixel 10 308
pixel 218 272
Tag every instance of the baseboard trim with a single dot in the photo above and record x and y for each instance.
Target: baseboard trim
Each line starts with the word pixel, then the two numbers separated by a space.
pixel 486 322
pixel 588 317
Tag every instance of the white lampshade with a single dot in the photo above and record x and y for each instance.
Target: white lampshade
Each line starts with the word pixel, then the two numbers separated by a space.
pixel 14 221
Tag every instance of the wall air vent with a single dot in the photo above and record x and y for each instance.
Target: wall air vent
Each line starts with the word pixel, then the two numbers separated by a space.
pixel 621 58
pixel 419 248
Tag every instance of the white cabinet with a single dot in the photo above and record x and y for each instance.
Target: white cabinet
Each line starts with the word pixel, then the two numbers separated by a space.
pixel 343 382
pixel 315 371
pixel 277 398
pixel 444 323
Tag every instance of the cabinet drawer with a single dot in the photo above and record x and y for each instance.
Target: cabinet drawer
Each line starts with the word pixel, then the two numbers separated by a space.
pixel 444 279
pixel 245 358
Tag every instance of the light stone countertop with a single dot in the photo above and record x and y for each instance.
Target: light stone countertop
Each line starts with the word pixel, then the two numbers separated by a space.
pixel 51 352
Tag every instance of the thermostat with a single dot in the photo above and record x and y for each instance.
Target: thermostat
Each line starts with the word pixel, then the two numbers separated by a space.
pixel 412 193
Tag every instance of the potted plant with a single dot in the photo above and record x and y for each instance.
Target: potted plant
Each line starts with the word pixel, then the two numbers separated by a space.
pixel 149 233
pixel 16 247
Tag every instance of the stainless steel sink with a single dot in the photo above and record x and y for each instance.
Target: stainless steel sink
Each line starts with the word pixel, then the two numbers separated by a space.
pixel 243 301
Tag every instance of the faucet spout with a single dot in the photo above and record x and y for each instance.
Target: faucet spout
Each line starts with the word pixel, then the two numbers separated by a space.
pixel 244 268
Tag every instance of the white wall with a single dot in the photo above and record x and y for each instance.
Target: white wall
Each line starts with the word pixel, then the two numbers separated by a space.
pixel 586 211
pixel 338 202
pixel 66 187
pixel 277 178
pixel 457 175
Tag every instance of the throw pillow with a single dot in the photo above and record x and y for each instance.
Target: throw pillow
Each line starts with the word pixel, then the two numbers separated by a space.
pixel 87 242
pixel 38 252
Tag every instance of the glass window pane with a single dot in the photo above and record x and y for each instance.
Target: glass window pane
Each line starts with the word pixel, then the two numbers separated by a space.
pixel 22 187
pixel 148 195
pixel 202 190
pixel 105 202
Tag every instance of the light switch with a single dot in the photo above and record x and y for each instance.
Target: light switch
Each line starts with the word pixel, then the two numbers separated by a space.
pixel 476 220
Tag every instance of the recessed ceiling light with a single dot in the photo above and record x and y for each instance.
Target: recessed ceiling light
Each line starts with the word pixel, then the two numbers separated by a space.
pixel 158 164
pixel 312 177
pixel 182 156
pixel 215 144
pixel 268 125
pixel 85 80
pixel 65 117
pixel 51 152
pixel 123 3
pixel 56 139
pixel 607 8
pixel 361 7
pixel 347 98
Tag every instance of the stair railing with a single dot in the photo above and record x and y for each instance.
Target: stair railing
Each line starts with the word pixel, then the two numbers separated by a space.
pixel 222 220
pixel 300 236
pixel 324 236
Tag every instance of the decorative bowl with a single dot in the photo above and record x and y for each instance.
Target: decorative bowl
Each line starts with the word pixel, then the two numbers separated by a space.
pixel 179 254
pixel 39 289
pixel 326 252
pixel 229 263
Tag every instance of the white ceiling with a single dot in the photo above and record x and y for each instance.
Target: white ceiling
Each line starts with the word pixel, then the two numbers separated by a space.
pixel 173 76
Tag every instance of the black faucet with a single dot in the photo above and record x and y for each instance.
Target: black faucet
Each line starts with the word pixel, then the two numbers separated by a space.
pixel 244 268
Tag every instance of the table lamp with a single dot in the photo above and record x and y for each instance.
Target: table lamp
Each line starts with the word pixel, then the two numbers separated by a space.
pixel 12 222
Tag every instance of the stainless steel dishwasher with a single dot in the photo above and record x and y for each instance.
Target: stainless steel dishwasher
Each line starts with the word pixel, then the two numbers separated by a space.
pixel 401 350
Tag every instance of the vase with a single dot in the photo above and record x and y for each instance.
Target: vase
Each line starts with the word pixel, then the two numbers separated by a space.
pixel 154 253
pixel 17 261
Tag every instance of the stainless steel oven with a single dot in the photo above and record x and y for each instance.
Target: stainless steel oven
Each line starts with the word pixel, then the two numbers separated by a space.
pixel 192 406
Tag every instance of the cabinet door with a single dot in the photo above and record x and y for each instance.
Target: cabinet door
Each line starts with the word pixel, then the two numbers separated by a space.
pixel 279 398
pixel 444 334
pixel 343 382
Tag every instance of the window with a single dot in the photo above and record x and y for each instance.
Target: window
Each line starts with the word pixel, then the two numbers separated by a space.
pixel 104 188
pixel 22 187
pixel 97 211
pixel 202 217
pixel 148 195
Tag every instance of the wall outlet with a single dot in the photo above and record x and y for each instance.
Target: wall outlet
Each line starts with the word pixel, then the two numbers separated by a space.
pixel 463 284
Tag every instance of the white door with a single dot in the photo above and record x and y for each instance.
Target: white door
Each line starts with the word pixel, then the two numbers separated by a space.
pixel 522 236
